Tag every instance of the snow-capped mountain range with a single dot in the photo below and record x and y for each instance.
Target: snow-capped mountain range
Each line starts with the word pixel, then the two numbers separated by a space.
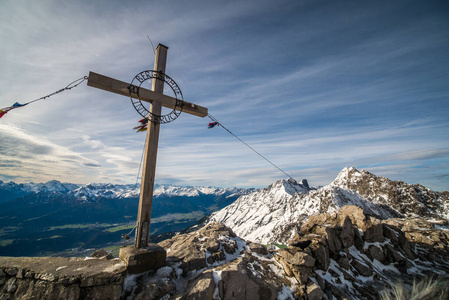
pixel 84 216
pixel 88 192
pixel 272 214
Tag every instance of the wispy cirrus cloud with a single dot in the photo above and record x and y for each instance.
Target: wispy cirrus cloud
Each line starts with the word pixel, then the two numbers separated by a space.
pixel 313 86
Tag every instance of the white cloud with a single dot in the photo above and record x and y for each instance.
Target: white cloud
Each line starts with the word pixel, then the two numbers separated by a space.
pixel 312 91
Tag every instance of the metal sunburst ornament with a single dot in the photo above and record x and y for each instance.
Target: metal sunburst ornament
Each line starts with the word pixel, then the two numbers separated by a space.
pixel 142 110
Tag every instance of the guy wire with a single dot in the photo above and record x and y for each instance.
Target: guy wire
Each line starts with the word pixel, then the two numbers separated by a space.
pixel 220 124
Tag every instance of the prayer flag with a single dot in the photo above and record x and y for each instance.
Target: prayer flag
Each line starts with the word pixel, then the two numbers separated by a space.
pixel 142 126
pixel 212 125
pixel 3 111
pixel 144 121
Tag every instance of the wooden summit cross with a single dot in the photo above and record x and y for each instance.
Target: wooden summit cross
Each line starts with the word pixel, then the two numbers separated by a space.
pixel 157 99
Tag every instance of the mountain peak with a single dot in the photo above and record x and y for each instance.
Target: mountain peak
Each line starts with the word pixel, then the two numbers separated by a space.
pixel 346 176
pixel 289 186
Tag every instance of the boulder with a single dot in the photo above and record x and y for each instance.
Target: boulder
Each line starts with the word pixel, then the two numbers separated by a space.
pixel 285 265
pixel 321 254
pixel 355 213
pixel 376 253
pixel 333 239
pixel 216 257
pixel 343 262
pixel 392 254
pixel 190 248
pixel 258 248
pixel 301 273
pixel 361 268
pixel 358 240
pixel 314 292
pixel 314 221
pixel 201 287
pixel 187 249
pixel 391 232
pixel 374 231
pixel 238 283
pixel 297 258
pixel 102 254
pixel 347 233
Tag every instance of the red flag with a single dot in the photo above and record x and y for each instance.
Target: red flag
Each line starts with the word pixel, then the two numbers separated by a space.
pixel 212 125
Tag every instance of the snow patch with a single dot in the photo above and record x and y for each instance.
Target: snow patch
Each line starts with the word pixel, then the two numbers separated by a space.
pixel 285 293
pixel 60 268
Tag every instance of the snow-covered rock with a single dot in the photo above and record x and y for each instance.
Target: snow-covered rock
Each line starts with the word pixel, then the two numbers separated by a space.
pixel 267 215
pixel 411 200
pixel 262 215
pixel 348 255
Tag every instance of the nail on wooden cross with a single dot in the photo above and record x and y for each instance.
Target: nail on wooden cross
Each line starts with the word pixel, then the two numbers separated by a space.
pixel 157 99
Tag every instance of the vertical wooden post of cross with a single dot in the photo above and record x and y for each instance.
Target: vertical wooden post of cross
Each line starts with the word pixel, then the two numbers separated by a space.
pixel 149 162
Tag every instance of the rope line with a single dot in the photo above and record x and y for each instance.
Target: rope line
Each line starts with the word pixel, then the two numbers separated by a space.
pixel 125 236
pixel 258 153
pixel 68 87
pixel 154 51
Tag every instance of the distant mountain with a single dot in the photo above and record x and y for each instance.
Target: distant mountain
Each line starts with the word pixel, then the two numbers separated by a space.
pixel 11 190
pixel 55 216
pixel 271 214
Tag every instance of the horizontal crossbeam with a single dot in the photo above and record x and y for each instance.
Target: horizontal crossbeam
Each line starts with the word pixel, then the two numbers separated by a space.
pixel 119 87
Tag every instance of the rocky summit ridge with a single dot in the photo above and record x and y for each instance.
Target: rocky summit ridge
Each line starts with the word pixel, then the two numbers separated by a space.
pixel 266 216
pixel 345 255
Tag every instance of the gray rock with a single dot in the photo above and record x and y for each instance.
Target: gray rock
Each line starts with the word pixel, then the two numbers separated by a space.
pixel 347 233
pixel 102 254
pixel 297 258
pixel 321 254
pixel 238 283
pixel 392 254
pixel 314 292
pixel 216 257
pixel 212 245
pixel 333 239
pixel 258 248
pixel 12 272
pixel 343 262
pixel 374 232
pixel 302 274
pixel 201 287
pixel 377 253
pixel 11 285
pixel 362 268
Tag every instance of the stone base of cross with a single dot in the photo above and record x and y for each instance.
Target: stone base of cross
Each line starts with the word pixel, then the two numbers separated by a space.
pixel 157 100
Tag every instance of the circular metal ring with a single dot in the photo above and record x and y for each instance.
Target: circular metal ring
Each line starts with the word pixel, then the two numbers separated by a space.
pixel 142 110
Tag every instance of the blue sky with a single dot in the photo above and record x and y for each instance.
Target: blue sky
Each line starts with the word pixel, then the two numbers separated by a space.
pixel 315 86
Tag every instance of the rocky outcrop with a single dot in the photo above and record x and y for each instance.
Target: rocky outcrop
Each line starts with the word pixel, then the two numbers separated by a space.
pixel 345 255
pixel 356 255
pixel 410 200
pixel 212 263
pixel 349 254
